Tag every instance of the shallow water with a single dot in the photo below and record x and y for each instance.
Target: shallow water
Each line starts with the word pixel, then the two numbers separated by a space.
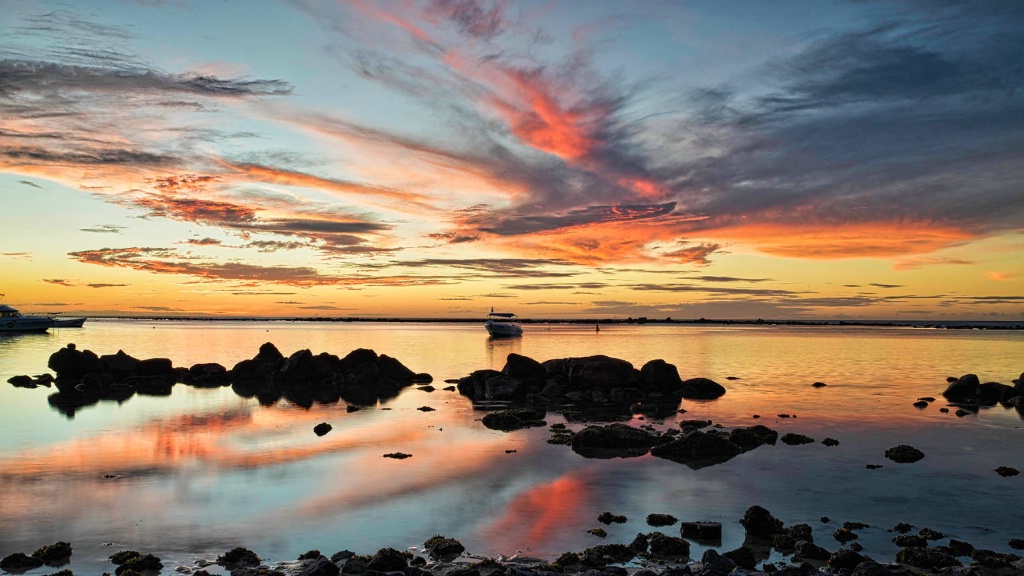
pixel 201 471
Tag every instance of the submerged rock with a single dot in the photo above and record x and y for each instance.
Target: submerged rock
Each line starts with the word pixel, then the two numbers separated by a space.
pixel 514 419
pixel 615 440
pixel 698 449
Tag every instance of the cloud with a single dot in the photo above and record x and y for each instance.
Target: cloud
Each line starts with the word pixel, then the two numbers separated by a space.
pixel 694 254
pixel 29 183
pixel 905 264
pixel 107 285
pixel 104 229
pixel 58 281
pixel 203 241
pixel 169 261
pixel 1002 276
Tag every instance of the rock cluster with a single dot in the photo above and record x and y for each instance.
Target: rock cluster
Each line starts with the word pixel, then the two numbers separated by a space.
pixel 968 389
pixel 594 380
pixel 361 377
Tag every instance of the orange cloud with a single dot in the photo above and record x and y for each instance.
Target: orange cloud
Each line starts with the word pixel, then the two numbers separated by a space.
pixel 1002 276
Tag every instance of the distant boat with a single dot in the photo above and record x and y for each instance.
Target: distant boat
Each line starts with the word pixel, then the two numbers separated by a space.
pixel 503 324
pixel 67 322
pixel 13 321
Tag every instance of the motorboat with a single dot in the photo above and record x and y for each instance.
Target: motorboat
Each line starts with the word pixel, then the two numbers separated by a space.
pixel 13 321
pixel 59 322
pixel 503 324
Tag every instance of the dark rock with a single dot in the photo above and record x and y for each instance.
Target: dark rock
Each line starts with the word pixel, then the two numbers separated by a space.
pixel 613 440
pixel 920 404
pixel 845 560
pixel 743 557
pixel 54 554
pixel 21 382
pixel 959 548
pixel 697 449
pixel 753 436
pixel 322 428
pixel 1006 471
pixel 855 525
pixel 662 376
pixel 715 563
pixel 661 520
pixel 811 551
pixel 123 556
pixel 964 388
pixel 144 563
pixel 320 567
pixel 425 409
pixel 819 384
pixel 701 531
pixel 993 560
pixel 310 555
pixel 908 541
pixel 662 545
pixel 844 535
pixel 902 528
pixel 19 562
pixel 441 548
pixel 526 370
pixel 925 558
pixel 514 419
pixel 873 466
pixel 830 442
pixel 904 454
pixel 387 560
pixel 929 534
pixel 794 439
pixel 1015 543
pixel 759 523
pixel 609 518
pixel 605 554
pixel 599 532
pixel 239 556
pixel 398 455
pixel 701 389
pixel 694 424
pixel 504 388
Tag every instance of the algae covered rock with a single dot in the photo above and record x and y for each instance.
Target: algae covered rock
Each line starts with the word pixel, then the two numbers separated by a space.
pixel 904 454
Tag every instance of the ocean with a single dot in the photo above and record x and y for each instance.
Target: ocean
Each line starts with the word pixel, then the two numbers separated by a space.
pixel 191 475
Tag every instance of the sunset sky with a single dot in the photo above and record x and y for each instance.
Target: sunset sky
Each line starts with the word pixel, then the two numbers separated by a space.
pixel 558 159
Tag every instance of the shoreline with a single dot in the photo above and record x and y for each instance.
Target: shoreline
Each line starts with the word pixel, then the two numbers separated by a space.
pixel 931 324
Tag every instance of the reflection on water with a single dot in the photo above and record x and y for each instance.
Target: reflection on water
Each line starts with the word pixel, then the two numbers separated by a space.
pixel 204 470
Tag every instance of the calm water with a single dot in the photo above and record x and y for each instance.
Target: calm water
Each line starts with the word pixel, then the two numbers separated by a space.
pixel 202 471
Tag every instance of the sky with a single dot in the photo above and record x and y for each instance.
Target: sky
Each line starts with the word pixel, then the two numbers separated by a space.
pixel 557 159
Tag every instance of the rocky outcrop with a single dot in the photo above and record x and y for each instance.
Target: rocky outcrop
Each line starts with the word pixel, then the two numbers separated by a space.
pixel 612 441
pixel 968 389
pixel 698 449
pixel 904 454
pixel 361 377
pixel 599 380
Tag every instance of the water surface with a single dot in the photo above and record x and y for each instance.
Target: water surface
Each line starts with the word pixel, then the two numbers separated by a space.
pixel 194 474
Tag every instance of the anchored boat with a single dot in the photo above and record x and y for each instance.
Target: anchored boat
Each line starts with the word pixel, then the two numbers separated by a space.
pixel 503 324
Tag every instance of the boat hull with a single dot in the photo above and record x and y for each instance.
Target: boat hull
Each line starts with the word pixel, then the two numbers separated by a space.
pixel 69 323
pixel 503 329
pixel 25 324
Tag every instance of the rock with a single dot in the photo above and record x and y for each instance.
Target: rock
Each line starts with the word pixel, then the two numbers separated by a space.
pixel 599 532
pixel 844 560
pixel 926 558
pixel 901 528
pixel 844 535
pixel 398 455
pixel 54 554
pixel 144 563
pixel 743 557
pixel 701 531
pixel 441 548
pixel 238 557
pixel 1016 543
pixel 662 545
pixel 19 562
pixel 697 449
pixel 513 419
pixel 701 389
pixel 425 409
pixel 830 442
pixel 963 389
pixel 811 551
pixel 759 523
pixel 526 370
pixel 605 554
pixel 958 548
pixel 819 384
pixel 793 439
pixel 904 454
pixel 929 534
pixel 873 466
pixel 688 425
pixel 751 437
pixel 21 382
pixel 609 518
pixel 920 404
pixel 613 440
pixel 503 387
pixel 910 541
pixel 123 556
pixel 321 428
pixel 387 560
pixel 715 563
pixel 662 376
pixel 658 520
pixel 1006 471
pixel 320 567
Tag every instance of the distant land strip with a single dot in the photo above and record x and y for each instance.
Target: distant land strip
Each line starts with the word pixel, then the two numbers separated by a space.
pixel 946 324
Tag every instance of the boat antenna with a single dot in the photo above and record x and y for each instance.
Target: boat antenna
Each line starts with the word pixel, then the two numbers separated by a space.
pixel 492 307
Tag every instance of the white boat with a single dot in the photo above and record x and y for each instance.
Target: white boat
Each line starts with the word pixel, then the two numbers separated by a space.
pixel 13 321
pixel 503 324
pixel 59 322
